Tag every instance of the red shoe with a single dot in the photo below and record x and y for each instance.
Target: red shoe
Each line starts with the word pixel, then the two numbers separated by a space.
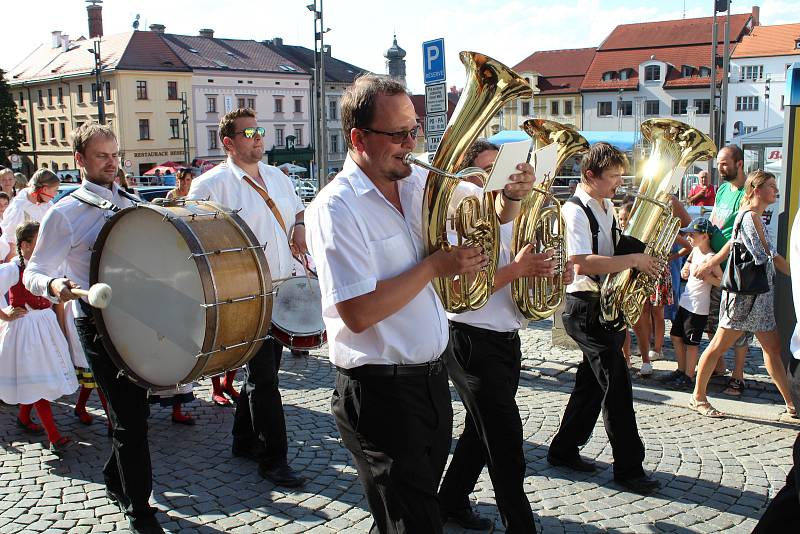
pixel 183 419
pixel 30 427
pixel 84 416
pixel 62 444
pixel 232 393
pixel 220 399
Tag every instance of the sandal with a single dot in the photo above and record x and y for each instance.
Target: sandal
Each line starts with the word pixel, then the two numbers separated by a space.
pixel 791 411
pixel 30 427
pixel 704 408
pixel 735 388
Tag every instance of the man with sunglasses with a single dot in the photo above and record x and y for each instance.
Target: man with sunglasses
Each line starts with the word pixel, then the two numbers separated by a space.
pixel 387 329
pixel 266 200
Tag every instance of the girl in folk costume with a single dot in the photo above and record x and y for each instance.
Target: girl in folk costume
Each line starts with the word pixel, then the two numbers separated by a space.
pixel 35 365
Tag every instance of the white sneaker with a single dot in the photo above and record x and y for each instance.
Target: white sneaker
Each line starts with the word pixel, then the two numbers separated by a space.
pixel 655 356
pixel 646 369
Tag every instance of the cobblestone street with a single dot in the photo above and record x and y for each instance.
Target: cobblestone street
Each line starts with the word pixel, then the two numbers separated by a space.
pixel 717 475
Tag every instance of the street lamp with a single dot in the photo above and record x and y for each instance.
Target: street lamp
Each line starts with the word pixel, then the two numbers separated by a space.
pixel 319 122
pixel 98 66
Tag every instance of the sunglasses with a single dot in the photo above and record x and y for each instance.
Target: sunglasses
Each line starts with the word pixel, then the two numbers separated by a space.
pixel 249 133
pixel 397 137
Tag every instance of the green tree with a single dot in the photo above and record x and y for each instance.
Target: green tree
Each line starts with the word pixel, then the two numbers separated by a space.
pixel 10 136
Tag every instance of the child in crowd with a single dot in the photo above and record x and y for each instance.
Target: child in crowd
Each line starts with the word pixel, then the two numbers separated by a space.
pixel 35 365
pixel 690 321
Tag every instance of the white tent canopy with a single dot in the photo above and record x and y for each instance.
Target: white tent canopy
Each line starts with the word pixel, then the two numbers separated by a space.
pixel 292 168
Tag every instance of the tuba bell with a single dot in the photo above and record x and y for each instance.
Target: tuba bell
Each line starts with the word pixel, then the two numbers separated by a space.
pixel 652 228
pixel 489 86
pixel 542 224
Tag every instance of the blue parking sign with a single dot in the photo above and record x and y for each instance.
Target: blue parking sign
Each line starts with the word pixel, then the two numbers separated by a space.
pixel 433 61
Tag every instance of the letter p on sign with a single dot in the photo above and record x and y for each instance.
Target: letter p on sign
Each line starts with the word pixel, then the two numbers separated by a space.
pixel 433 61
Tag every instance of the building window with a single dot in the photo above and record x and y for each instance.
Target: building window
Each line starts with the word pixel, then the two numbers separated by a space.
pixel 211 104
pixel 554 107
pixel 298 137
pixel 652 73
pixel 41 99
pixel 750 129
pixel 568 107
pixel 652 108
pixel 278 136
pixel 52 131
pixel 705 72
pixel 298 106
pixel 703 106
pixel 604 109
pixel 608 76
pixel 240 103
pixel 687 71
pixel 23 134
pixel 526 109
pixel 62 130
pixel 278 105
pixel 746 103
pixel 80 93
pixel 60 96
pixel 49 96
pixel 42 135
pixel 625 108
pixel 107 88
pixel 21 100
pixel 144 129
pixel 174 129
pixel 212 140
pixel 752 72
pixel 624 74
pixel 332 110
pixel 172 90
pixel 680 106
pixel 334 144
pixel 94 92
pixel 251 103
pixel 141 91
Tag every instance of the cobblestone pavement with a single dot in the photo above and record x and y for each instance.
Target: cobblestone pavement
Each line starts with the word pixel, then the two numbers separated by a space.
pixel 717 475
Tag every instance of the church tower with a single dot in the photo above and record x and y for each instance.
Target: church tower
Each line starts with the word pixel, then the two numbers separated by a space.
pixel 395 62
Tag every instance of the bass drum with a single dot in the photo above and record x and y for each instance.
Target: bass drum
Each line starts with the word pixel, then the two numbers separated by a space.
pixel 192 292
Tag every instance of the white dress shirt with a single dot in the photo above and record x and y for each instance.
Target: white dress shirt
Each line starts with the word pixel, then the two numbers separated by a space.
pixel 579 234
pixel 19 211
pixel 9 276
pixel 794 268
pixel 225 184
pixel 357 238
pixel 66 237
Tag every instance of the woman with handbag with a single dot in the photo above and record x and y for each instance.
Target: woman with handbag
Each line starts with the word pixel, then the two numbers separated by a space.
pixel 747 288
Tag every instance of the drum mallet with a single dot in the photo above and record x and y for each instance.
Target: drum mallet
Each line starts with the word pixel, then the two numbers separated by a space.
pixel 99 295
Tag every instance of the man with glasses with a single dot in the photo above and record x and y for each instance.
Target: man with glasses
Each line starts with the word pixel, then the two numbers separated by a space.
pixel 266 200
pixel 387 329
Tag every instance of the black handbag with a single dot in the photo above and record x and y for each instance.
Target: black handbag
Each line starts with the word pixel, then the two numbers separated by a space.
pixel 742 275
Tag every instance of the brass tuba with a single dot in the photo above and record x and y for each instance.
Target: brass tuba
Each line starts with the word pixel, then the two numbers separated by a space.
pixel 543 226
pixel 652 228
pixel 489 85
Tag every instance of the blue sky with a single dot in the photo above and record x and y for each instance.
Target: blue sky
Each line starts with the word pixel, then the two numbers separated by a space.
pixel 361 30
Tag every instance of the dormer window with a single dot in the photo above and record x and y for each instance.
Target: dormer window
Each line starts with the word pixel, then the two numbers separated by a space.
pixel 687 71
pixel 625 74
pixel 797 43
pixel 608 76
pixel 652 73
pixel 705 72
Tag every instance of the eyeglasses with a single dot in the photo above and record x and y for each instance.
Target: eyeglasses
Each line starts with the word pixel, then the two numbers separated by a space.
pixel 249 133
pixel 397 137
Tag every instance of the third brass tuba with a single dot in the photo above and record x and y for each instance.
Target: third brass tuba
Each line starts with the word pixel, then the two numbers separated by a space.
pixel 675 146
pixel 543 225
pixel 489 85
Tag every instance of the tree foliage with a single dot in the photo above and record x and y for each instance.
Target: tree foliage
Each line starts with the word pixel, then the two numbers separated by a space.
pixel 10 136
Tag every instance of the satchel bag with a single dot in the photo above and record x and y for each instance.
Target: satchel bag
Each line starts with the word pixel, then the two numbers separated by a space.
pixel 742 275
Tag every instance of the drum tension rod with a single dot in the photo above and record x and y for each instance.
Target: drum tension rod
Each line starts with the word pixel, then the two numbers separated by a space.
pixel 240 299
pixel 221 251
pixel 223 348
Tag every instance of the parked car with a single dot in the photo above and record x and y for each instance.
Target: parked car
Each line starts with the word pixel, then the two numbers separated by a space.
pixel 147 192
pixel 305 190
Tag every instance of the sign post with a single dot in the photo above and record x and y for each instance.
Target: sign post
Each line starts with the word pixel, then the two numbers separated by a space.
pixel 435 92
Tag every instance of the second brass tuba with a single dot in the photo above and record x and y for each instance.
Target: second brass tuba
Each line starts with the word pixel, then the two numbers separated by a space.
pixel 488 87
pixel 543 225
pixel 652 228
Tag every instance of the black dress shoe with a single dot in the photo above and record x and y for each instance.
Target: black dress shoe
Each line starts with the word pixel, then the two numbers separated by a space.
pixel 282 475
pixel 575 463
pixel 468 518
pixel 251 450
pixel 144 525
pixel 641 484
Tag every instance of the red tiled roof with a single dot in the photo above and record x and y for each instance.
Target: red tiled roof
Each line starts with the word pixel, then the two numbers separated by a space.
pixel 670 33
pixel 559 84
pixel 570 62
pixel 776 40
pixel 148 51
pixel 228 54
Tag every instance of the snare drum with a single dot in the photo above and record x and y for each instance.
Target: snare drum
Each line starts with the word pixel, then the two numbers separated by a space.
pixel 297 314
pixel 192 292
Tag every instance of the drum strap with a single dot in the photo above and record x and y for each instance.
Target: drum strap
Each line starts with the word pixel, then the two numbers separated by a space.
pixel 269 201
pixel 92 199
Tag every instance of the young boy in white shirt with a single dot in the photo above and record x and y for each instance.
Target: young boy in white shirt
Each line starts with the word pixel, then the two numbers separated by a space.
pixel 692 316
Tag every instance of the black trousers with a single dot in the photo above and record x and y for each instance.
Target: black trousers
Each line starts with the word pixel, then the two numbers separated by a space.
pixel 485 372
pixel 398 431
pixel 127 473
pixel 602 382
pixel 783 513
pixel 259 411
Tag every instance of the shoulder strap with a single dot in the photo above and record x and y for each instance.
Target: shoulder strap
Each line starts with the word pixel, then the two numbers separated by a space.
pixel 594 226
pixel 87 197
pixel 270 203
pixel 739 224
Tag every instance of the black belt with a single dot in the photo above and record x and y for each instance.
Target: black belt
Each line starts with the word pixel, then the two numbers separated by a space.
pixel 417 369
pixel 478 331
pixel 585 295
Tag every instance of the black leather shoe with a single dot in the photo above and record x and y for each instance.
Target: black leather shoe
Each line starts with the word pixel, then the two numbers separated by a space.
pixel 468 518
pixel 144 525
pixel 282 475
pixel 641 484
pixel 576 463
pixel 251 450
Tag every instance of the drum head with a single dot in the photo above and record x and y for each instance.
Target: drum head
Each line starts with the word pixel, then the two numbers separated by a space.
pixel 155 321
pixel 297 307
